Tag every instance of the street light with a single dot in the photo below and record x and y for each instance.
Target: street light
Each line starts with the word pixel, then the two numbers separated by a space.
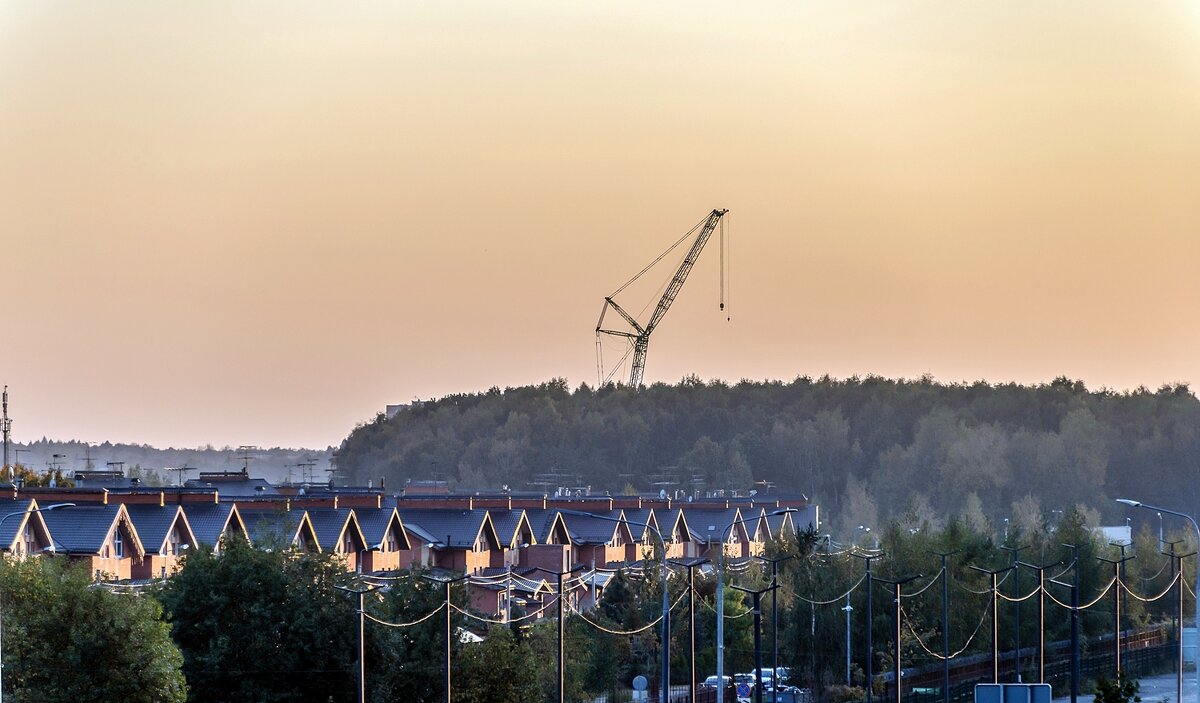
pixel 666 606
pixel 1189 518
pixel 721 599
pixel 48 508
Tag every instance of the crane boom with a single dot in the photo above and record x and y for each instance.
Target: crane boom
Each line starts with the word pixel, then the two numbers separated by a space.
pixel 640 338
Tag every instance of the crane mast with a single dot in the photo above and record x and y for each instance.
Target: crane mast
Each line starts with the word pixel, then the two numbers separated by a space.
pixel 640 336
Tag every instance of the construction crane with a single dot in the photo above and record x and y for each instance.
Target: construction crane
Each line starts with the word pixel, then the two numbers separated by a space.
pixel 639 337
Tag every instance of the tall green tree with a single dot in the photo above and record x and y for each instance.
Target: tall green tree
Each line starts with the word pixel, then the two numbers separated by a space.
pixel 66 640
pixel 257 625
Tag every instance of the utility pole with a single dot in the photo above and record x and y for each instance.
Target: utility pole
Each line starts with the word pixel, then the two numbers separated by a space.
pixel 756 596
pixel 447 582
pixel 1016 553
pixel 774 611
pixel 995 617
pixel 1117 568
pixel 1041 570
pixel 848 608
pixel 896 585
pixel 870 654
pixel 362 648
pixel 691 565
pixel 945 624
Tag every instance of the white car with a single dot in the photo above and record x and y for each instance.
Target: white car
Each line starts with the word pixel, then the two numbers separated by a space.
pixel 711 681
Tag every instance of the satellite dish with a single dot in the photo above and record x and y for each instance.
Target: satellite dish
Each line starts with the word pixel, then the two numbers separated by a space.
pixel 662 493
pixel 640 683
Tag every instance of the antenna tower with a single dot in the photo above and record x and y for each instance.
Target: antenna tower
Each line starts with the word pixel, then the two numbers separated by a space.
pixel 6 427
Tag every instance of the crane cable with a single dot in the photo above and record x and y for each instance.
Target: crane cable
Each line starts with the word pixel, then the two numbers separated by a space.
pixel 660 257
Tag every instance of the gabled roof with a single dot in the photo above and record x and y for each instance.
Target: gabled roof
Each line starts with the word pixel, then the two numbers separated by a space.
pixel 375 523
pixel 287 525
pixel 153 523
pixel 672 521
pixel 210 521
pixel 544 522
pixel 84 529
pixel 781 525
pixel 707 524
pixel 329 524
pixel 457 529
pixel 508 525
pixel 644 516
pixel 595 530
pixel 14 514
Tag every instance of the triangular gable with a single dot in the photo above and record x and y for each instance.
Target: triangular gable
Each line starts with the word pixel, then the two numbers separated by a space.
pixel 234 524
pixel 488 531
pixel 188 535
pixel 122 518
pixel 558 532
pixel 305 533
pixel 20 519
pixel 395 523
pixel 622 528
pixel 524 533
pixel 351 525
pixel 680 532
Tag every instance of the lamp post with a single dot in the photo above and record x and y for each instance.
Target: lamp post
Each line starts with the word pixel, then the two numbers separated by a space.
pixel 721 600
pixel 447 582
pixel 666 603
pixel 1189 518
pixel 362 647
pixel 48 508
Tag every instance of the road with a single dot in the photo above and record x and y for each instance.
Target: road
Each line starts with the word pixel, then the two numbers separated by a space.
pixel 1154 689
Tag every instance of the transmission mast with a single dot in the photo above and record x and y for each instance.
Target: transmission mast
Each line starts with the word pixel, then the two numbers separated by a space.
pixel 639 338
pixel 6 428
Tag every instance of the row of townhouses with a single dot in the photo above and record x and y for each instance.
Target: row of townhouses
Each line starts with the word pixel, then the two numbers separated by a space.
pixel 512 545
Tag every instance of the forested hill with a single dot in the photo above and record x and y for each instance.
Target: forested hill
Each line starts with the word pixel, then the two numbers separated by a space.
pixel 855 446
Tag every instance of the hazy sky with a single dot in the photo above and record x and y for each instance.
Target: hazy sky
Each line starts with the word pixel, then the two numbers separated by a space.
pixel 258 223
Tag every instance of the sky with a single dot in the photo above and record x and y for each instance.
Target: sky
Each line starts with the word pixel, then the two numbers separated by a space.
pixel 259 223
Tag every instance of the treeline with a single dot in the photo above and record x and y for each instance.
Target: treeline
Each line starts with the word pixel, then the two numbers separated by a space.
pixel 865 449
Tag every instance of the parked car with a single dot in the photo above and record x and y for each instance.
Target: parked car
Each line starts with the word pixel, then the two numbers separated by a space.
pixel 711 681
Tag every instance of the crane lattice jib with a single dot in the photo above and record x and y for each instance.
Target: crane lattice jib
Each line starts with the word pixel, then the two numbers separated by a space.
pixel 641 339
pixel 685 267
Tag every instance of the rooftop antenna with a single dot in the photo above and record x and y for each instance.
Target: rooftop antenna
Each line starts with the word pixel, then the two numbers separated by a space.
pixel 87 457
pixel 244 453
pixel 120 466
pixel 306 470
pixel 179 472
pixel 6 427
pixel 55 463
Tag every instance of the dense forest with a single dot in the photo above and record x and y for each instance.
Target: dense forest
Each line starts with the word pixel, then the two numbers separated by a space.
pixel 865 449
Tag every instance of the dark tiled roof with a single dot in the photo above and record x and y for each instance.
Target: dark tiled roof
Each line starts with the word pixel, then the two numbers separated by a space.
pixel 265 524
pixel 541 521
pixel 506 523
pixel 208 520
pixel 329 523
pixel 633 516
pixel 590 530
pixel 461 527
pixel 806 517
pixel 374 523
pixel 707 524
pixel 81 529
pixel 152 523
pixel 10 527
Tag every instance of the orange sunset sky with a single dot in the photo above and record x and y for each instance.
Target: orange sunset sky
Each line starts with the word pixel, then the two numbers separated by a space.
pixel 258 223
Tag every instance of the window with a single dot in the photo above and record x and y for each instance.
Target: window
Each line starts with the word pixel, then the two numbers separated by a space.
pixel 390 544
pixel 27 538
pixel 118 544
